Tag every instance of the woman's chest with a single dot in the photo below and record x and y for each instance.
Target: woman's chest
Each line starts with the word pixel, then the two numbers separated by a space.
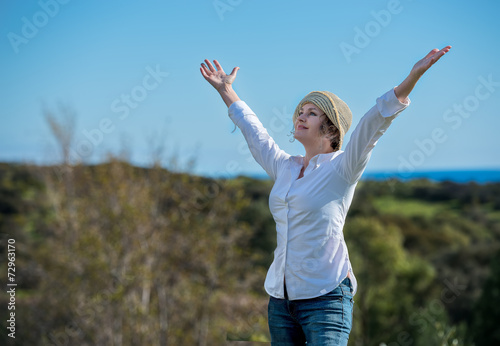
pixel 313 192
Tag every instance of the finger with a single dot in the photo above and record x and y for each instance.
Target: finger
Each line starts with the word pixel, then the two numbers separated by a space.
pixel 206 70
pixel 446 49
pixel 235 70
pixel 442 52
pixel 219 67
pixel 439 54
pixel 436 54
pixel 203 73
pixel 209 65
pixel 431 53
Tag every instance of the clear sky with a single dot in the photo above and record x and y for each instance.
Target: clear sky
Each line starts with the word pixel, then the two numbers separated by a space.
pixel 129 70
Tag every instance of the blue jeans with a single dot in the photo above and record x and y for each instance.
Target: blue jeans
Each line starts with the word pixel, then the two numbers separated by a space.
pixel 321 321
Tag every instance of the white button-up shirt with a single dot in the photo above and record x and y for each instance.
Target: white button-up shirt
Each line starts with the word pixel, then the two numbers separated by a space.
pixel 311 254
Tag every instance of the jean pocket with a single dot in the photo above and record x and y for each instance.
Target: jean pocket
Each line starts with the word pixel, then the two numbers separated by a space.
pixel 348 296
pixel 346 290
pixel 335 294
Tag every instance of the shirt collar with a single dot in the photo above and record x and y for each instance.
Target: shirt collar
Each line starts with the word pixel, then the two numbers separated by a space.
pixel 316 160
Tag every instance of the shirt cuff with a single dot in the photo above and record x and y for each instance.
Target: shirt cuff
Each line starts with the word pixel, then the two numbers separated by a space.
pixel 389 105
pixel 238 108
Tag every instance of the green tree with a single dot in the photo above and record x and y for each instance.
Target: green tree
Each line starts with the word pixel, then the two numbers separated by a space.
pixel 391 281
pixel 486 328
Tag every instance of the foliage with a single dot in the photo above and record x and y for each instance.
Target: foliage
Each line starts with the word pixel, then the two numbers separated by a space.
pixel 486 329
pixel 118 254
pixel 134 256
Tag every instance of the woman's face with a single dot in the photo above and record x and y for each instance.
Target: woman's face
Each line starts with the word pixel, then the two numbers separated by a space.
pixel 308 123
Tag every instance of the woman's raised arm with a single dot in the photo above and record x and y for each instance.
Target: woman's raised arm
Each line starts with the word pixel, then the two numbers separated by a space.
pixel 221 81
pixel 403 90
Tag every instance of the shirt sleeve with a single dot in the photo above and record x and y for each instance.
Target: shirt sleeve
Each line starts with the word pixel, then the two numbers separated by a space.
pixel 262 146
pixel 367 133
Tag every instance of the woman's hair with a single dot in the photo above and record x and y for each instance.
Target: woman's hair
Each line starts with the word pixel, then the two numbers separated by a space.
pixel 327 128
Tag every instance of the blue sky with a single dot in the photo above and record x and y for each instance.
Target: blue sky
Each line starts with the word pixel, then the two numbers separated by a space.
pixel 129 70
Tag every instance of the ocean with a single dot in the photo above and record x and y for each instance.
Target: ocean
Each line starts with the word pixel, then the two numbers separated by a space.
pixel 458 176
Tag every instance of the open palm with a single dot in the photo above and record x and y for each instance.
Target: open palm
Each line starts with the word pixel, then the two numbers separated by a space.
pixel 430 59
pixel 217 77
pixel 404 89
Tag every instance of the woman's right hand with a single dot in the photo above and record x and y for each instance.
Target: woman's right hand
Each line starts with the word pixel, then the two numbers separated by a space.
pixel 217 77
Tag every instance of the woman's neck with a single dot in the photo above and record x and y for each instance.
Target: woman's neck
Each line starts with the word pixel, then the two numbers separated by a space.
pixel 311 152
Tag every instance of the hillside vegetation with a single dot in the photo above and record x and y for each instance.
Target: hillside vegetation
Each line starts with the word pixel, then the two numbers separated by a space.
pixel 114 254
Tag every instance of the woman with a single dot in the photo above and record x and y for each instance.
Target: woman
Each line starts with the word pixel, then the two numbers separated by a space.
pixel 310 282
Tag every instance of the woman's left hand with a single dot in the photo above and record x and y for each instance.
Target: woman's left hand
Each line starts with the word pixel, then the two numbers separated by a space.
pixel 403 90
pixel 430 59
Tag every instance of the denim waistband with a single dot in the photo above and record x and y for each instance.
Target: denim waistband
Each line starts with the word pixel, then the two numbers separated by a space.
pixel 346 282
